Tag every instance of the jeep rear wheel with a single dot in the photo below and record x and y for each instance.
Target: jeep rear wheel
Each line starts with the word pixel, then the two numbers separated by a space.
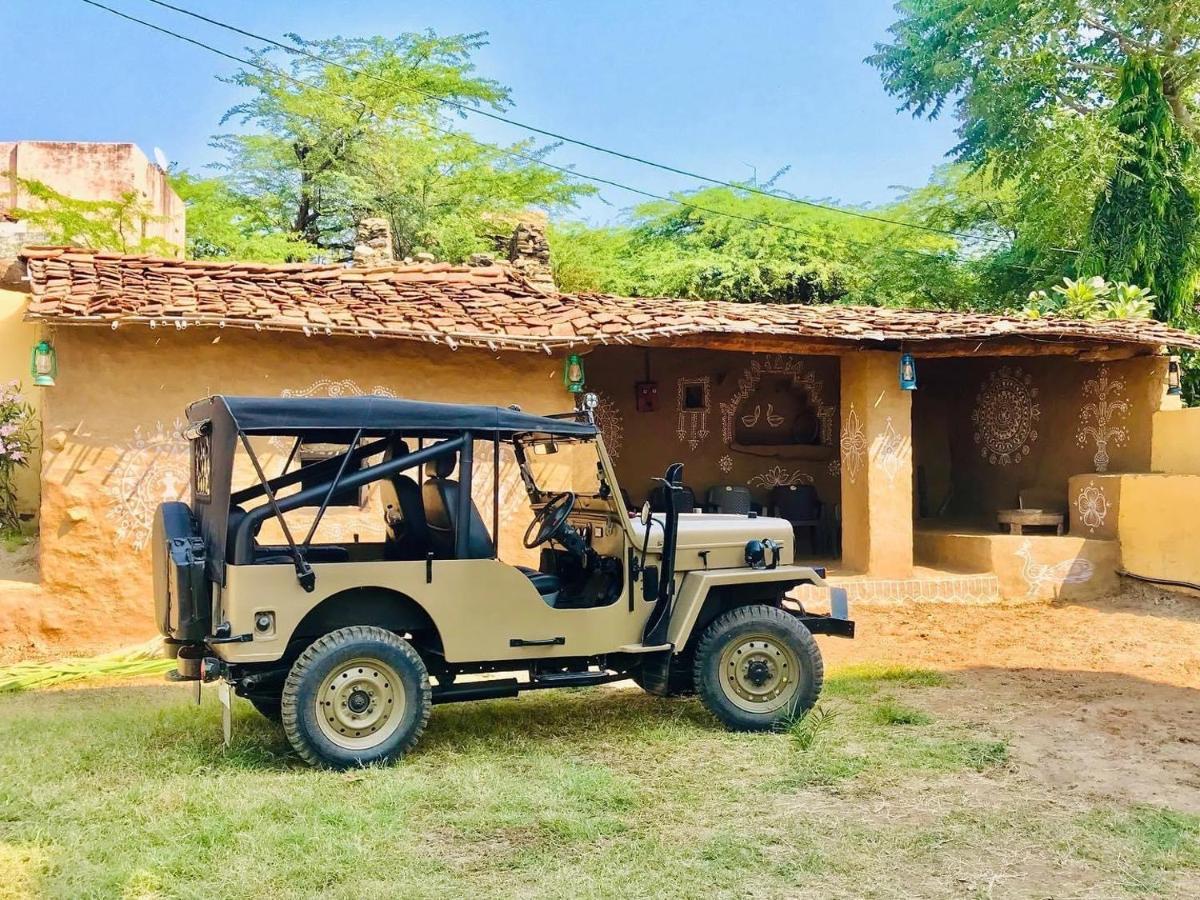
pixel 756 666
pixel 269 707
pixel 356 696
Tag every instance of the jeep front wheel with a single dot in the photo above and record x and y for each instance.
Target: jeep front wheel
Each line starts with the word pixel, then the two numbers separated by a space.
pixel 756 666
pixel 356 696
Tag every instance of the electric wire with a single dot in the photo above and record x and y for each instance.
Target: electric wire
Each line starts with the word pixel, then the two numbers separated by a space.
pixel 526 157
pixel 566 139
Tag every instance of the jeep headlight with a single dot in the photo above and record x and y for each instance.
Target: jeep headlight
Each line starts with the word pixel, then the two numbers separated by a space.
pixel 756 554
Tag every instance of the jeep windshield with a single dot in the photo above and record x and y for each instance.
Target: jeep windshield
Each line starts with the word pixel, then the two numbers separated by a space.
pixel 555 465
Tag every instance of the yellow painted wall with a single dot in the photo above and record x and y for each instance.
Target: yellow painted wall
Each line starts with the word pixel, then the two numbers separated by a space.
pixel 16 340
pixel 1158 526
pixel 1176 443
pixel 876 466
pixel 112 449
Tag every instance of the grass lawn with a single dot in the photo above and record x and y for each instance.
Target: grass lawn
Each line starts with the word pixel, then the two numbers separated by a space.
pixel 125 791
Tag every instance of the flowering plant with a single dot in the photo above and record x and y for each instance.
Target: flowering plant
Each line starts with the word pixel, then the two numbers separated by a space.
pixel 16 445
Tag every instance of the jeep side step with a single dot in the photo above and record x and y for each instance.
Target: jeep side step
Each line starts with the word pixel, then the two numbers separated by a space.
pixel 499 688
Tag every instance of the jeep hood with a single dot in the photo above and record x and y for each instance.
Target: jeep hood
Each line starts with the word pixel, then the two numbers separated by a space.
pixel 723 536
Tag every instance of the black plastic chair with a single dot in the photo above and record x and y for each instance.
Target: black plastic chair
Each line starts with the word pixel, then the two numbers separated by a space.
pixel 800 505
pixel 685 499
pixel 731 499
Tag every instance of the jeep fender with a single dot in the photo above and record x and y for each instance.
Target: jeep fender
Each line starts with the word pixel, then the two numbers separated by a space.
pixel 698 584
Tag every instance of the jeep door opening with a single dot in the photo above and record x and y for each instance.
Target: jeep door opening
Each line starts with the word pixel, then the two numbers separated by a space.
pixel 348 644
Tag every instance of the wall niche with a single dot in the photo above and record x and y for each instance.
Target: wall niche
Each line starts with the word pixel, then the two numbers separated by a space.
pixel 779 411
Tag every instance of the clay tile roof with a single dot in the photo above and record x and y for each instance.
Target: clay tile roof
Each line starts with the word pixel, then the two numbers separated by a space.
pixel 491 306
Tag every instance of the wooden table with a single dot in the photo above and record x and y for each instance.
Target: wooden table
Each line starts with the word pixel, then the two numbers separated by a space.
pixel 1016 520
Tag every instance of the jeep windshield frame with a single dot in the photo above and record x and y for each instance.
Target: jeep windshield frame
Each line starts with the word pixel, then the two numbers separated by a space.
pixel 368 426
pixel 531 449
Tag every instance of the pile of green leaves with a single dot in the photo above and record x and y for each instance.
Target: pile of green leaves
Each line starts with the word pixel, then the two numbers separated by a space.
pixel 1091 298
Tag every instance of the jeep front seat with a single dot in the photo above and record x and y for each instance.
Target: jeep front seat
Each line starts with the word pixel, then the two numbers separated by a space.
pixel 440 494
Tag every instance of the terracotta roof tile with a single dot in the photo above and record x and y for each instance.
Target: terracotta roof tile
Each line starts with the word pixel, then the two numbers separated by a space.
pixel 492 306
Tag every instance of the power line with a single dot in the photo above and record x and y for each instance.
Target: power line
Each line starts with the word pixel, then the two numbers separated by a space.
pixel 516 154
pixel 553 135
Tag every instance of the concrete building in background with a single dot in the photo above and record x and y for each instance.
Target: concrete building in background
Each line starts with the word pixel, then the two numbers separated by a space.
pixel 85 171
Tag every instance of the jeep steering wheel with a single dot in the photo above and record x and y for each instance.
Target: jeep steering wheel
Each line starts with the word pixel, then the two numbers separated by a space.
pixel 550 520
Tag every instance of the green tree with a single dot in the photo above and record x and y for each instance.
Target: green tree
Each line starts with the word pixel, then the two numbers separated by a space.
pixel 807 256
pixel 118 225
pixel 1010 68
pixel 328 146
pixel 225 224
pixel 1146 225
pixel 1046 116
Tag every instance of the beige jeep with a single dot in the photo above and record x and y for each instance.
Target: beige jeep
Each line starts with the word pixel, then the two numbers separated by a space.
pixel 349 644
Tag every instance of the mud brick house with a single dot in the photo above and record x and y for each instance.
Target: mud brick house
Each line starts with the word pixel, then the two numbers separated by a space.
pixel 903 487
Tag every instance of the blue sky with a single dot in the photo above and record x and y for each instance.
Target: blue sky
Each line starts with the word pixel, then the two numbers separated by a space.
pixel 728 89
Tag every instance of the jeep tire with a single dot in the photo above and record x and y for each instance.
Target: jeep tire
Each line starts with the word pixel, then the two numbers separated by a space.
pixel 679 680
pixel 757 666
pixel 356 696
pixel 268 707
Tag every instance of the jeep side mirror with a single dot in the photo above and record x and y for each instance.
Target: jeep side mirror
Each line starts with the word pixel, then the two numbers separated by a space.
pixel 644 515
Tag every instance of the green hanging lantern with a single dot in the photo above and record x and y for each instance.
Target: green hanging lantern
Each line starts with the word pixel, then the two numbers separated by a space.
pixel 43 364
pixel 573 374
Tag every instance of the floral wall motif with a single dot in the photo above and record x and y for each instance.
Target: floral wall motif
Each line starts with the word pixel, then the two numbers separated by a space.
pixel 853 445
pixel 693 402
pixel 803 378
pixel 1101 417
pixel 608 420
pixel 154 468
pixel 1006 416
pixel 328 387
pixel 891 451
pixel 777 476
pixel 737 383
pixel 1092 504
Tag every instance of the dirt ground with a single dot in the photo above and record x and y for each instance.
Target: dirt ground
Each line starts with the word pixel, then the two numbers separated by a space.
pixel 1100 701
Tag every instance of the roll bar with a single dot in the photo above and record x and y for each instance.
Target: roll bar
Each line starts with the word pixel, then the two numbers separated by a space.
pixel 241 545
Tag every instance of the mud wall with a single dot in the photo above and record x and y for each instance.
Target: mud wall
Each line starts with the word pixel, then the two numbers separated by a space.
pixel 113 448
pixel 984 430
pixel 712 410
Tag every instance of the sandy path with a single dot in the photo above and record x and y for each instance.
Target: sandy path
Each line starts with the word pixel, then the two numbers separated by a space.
pixel 1101 701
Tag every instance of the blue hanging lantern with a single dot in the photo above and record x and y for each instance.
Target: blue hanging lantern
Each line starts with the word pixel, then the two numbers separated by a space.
pixel 43 364
pixel 908 372
pixel 573 374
